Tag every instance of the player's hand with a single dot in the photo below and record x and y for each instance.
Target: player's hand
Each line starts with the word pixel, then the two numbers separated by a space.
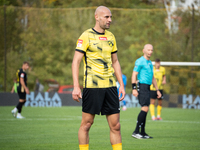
pixel 121 92
pixel 164 82
pixel 27 91
pixel 159 94
pixel 76 94
pixel 135 92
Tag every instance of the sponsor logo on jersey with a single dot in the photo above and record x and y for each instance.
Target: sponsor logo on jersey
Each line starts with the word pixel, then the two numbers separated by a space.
pixel 80 42
pixel 22 75
pixel 103 38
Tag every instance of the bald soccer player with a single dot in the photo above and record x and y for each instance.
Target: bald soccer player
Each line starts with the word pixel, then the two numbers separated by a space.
pixel 97 47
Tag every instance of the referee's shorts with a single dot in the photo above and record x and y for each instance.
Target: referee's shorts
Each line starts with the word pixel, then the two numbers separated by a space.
pixel 144 94
pixel 100 100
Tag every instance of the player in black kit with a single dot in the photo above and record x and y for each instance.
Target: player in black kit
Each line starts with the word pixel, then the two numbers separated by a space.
pixel 22 90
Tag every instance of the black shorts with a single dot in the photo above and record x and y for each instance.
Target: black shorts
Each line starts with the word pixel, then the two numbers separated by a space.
pixel 153 94
pixel 22 95
pixel 144 94
pixel 100 100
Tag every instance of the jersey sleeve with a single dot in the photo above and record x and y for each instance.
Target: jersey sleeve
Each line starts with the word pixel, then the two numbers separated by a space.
pixel 82 43
pixel 163 71
pixel 114 50
pixel 22 75
pixel 137 66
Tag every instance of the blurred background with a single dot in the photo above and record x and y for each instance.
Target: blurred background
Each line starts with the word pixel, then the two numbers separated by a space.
pixel 44 32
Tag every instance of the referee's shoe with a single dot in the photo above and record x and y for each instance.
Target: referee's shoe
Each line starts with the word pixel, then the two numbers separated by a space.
pixel 138 136
pixel 147 136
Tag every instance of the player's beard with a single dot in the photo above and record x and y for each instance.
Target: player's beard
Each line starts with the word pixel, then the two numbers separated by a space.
pixel 105 26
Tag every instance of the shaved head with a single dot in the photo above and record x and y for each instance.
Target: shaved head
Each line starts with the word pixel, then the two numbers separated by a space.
pixel 148 46
pixel 103 19
pixel 148 50
pixel 101 9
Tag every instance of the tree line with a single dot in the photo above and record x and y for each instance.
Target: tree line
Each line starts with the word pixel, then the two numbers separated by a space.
pixel 46 37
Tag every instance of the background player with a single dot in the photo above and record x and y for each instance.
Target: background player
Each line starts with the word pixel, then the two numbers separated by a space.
pixel 124 78
pixel 159 74
pixel 22 90
pixel 98 48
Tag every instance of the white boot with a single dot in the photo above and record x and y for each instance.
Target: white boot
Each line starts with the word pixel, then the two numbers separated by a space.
pixel 19 116
pixel 14 112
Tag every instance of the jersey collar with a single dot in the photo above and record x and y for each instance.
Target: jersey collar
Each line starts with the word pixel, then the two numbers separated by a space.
pixel 98 32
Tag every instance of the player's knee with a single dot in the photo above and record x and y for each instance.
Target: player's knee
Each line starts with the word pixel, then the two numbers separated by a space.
pixel 87 126
pixel 116 127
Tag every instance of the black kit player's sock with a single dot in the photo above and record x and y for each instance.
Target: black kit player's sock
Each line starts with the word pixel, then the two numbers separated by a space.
pixel 19 106
pixel 140 120
pixel 143 123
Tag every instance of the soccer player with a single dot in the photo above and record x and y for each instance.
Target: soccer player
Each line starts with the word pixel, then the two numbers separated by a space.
pixel 14 88
pixel 143 71
pixel 22 90
pixel 124 78
pixel 97 46
pixel 159 74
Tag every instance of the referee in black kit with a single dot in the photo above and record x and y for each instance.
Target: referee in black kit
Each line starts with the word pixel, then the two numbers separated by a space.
pixel 143 71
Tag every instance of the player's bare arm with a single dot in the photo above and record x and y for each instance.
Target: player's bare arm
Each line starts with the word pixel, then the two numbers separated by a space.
pixel 24 86
pixel 164 79
pixel 118 74
pixel 134 81
pixel 76 93
pixel 155 85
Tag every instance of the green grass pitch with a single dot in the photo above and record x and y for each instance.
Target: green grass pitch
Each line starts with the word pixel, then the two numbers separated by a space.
pixel 57 129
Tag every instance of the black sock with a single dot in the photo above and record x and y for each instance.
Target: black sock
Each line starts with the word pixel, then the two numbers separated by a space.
pixel 143 123
pixel 19 106
pixel 140 120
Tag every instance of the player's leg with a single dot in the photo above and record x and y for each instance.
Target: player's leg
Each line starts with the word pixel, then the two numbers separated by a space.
pixel 92 101
pixel 115 133
pixel 111 109
pixel 153 95
pixel 83 133
pixel 159 108
pixel 152 108
pixel 124 105
pixel 19 108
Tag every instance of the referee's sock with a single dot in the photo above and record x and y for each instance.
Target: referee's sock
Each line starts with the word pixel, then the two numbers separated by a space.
pixel 143 122
pixel 140 120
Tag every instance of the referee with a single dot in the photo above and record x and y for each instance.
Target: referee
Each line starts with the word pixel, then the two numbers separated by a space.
pixel 143 71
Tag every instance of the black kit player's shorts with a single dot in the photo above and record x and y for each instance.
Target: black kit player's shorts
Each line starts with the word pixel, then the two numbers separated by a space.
pixel 21 93
pixel 144 94
pixel 153 94
pixel 100 100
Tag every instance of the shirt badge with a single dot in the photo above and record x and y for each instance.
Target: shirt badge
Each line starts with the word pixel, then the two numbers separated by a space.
pixel 80 42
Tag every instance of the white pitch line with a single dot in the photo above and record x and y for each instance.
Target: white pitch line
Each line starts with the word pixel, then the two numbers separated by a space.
pixel 171 121
pixel 79 118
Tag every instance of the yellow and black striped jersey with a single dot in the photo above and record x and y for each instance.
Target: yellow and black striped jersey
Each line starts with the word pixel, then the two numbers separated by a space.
pixel 97 49
pixel 158 74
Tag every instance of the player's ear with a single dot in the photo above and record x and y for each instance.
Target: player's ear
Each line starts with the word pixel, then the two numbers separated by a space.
pixel 96 17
